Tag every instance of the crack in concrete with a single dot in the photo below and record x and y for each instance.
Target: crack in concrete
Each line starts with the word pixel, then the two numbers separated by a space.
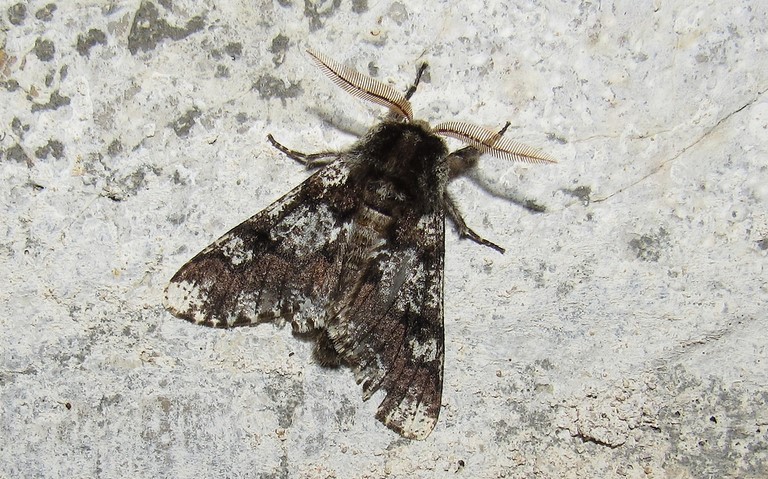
pixel 685 149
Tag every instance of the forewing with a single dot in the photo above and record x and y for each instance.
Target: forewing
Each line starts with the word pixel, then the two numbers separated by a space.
pixel 390 329
pixel 283 263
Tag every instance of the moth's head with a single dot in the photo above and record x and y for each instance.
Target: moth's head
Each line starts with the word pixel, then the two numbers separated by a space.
pixel 402 146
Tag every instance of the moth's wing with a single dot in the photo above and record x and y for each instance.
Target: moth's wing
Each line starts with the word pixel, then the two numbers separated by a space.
pixel 390 330
pixel 281 264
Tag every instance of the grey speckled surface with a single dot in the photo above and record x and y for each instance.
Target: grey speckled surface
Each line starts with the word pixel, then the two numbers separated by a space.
pixel 622 335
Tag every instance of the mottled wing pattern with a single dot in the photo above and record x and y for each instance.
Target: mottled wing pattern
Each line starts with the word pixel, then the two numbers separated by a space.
pixel 281 264
pixel 321 259
pixel 390 327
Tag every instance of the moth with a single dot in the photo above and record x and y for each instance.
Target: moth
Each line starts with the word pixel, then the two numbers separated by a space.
pixel 353 257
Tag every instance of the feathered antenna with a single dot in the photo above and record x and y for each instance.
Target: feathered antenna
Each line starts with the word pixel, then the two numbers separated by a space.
pixel 363 86
pixel 489 141
pixel 367 88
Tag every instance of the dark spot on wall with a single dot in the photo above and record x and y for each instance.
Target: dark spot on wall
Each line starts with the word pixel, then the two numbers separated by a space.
pixel 533 206
pixel 16 153
pixel 148 29
pixel 234 50
pixel 54 148
pixel 55 102
pixel 17 13
pixel 45 14
pixel 85 41
pixel 359 6
pixel 222 71
pixel 10 85
pixel 18 127
pixel 185 122
pixel 557 138
pixel 648 247
pixel 279 47
pixel 115 148
pixel 44 49
pixel 316 12
pixel 271 87
pixel 373 69
pixel 581 192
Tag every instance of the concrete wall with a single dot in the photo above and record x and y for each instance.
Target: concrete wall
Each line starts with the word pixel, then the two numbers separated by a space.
pixel 622 335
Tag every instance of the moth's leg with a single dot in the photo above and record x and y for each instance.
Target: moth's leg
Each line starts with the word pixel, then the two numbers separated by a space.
pixel 464 230
pixel 466 158
pixel 459 162
pixel 311 160
pixel 502 131
pixel 462 160
pixel 412 89
pixel 393 115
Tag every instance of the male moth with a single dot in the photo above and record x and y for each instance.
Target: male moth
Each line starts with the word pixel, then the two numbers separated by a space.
pixel 353 256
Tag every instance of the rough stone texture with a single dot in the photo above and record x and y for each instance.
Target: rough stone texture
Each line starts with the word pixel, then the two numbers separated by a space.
pixel 622 335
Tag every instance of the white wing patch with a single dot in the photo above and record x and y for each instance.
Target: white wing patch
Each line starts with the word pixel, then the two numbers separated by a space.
pixel 415 419
pixel 306 229
pixel 234 249
pixel 183 296
pixel 426 351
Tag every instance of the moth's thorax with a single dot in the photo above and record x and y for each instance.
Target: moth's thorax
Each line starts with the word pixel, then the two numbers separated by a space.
pixel 401 147
pixel 408 156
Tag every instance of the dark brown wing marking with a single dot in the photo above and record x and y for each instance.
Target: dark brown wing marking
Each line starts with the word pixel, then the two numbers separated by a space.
pixel 281 264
